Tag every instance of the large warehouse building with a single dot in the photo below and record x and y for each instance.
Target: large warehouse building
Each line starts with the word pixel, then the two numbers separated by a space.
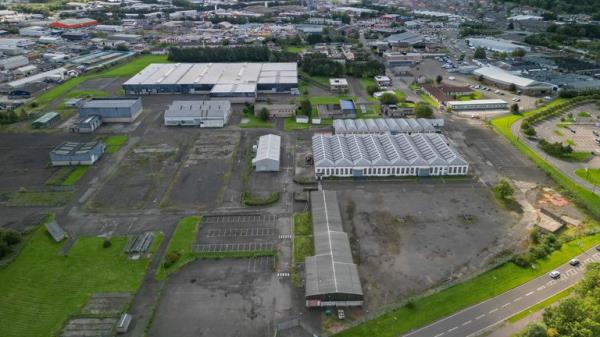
pixel 73 153
pixel 504 80
pixel 331 275
pixel 205 114
pixel 112 109
pixel 387 125
pixel 478 104
pixel 268 153
pixel 379 155
pixel 216 79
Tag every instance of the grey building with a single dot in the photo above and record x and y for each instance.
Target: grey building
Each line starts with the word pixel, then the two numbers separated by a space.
pixel 387 125
pixel 268 153
pixel 46 120
pixel 74 153
pixel 87 124
pixel 112 109
pixel 331 276
pixel 205 114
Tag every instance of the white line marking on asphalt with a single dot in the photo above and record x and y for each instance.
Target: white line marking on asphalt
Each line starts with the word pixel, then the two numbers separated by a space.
pixel 541 288
pixel 467 322
pixel 494 310
pixel 518 299
pixel 506 305
pixel 529 293
pixel 440 334
pixel 480 316
pixel 450 330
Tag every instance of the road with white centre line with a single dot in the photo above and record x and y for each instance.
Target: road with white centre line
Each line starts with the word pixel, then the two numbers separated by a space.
pixel 482 316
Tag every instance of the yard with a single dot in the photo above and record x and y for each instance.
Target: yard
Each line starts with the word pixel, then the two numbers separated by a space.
pixel 42 288
pixel 489 284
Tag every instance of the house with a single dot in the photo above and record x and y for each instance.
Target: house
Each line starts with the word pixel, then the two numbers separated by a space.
pixel 338 84
pixel 74 153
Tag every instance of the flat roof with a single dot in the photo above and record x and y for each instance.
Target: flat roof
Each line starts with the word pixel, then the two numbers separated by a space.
pixel 200 109
pixel 110 103
pixel 45 118
pixel 478 102
pixel 386 125
pixel 74 148
pixel 503 76
pixel 215 74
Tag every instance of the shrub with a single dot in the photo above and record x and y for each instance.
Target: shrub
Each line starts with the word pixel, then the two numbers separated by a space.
pixel 106 243
pixel 372 88
pixel 521 261
pixel 10 236
pixel 171 259
pixel 4 249
pixel 389 98
pixel 423 110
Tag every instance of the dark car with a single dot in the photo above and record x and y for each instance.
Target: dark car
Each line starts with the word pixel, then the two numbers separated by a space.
pixel 574 262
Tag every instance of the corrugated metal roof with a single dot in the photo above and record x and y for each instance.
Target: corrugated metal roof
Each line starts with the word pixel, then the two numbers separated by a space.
pixel 110 103
pixel 269 147
pixel 199 109
pixel 386 125
pixel 331 270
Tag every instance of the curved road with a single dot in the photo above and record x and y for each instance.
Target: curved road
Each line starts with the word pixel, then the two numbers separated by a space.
pixel 476 319
pixel 565 168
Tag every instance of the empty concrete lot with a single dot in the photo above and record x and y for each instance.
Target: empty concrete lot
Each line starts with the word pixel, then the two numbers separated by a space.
pixel 410 236
pixel 226 298
pixel 244 232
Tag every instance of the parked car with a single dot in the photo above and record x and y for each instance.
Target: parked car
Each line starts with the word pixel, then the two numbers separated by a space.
pixel 554 274
pixel 598 248
pixel 574 262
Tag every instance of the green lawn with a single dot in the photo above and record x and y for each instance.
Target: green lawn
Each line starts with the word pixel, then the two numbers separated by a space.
pixel 443 303
pixel 114 143
pixel 85 94
pixel 314 100
pixel 40 288
pixel 367 81
pixel 591 175
pixel 181 242
pixel 539 306
pixel 133 67
pixel 255 122
pixel 289 124
pixel 585 197
pixel 427 99
pixel 294 49
pixel 576 156
pixel 75 175
pixel 470 97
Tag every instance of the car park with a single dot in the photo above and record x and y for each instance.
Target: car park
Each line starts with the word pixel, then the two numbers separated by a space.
pixel 554 274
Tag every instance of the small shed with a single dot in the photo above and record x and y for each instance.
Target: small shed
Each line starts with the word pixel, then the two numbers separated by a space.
pixel 267 153
pixel 87 124
pixel 47 120
pixel 55 231
pixel 123 323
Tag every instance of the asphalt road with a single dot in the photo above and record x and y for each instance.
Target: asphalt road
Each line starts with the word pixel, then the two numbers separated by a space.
pixel 477 318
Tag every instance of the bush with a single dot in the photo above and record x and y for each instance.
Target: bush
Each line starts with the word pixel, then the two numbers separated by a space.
pixel 171 259
pixel 521 261
pixel 372 88
pixel 389 98
pixel 556 149
pixel 4 249
pixel 10 237
pixel 423 110
pixel 106 243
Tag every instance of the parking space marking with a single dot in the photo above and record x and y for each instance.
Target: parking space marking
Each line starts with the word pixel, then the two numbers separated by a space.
pixel 450 330
pixel 506 305
pixel 467 322
pixel 518 299
pixel 493 311
pixel 480 317
pixel 541 288
pixel 529 293
pixel 439 335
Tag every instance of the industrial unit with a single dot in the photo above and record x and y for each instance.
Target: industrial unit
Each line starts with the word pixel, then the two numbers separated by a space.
pixel 46 120
pixel 387 125
pixel 87 124
pixel 498 45
pixel 504 80
pixel 205 114
pixel 112 109
pixel 418 154
pixel 268 153
pixel 216 79
pixel 331 276
pixel 73 153
pixel 478 104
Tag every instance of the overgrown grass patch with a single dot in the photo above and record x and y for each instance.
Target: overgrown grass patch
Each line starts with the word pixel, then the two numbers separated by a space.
pixel 42 288
pixel 115 142
pixel 75 175
pixel 303 243
pixel 41 198
pixel 290 124
pixel 252 200
pixel 590 175
pixel 445 302
pixel 181 243
pixel 67 175
pixel 255 122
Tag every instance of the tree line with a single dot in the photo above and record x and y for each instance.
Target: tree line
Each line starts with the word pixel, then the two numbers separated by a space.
pixel 319 65
pixel 229 54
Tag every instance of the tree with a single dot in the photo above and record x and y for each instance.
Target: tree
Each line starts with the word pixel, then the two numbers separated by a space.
pixel 512 87
pixel 263 114
pixel 306 107
pixel 10 236
pixel 372 88
pixel 503 189
pixel 346 19
pixel 519 52
pixel 480 54
pixel 423 110
pixel 388 98
pixel 439 79
pixel 534 330
pixel 514 108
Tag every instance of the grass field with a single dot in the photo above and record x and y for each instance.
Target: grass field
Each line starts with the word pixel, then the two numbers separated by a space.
pixel 591 175
pixel 114 143
pixel 489 284
pixel 544 304
pixel 294 49
pixel 40 288
pixel 584 197
pixel 75 175
pixel 289 124
pixel 181 242
pixel 255 122
pixel 85 94
pixel 303 243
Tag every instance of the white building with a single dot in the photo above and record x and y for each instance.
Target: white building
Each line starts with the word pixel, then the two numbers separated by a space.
pixel 13 62
pixel 380 155
pixel 205 114
pixel 338 84
pixel 498 45
pixel 267 153
pixel 34 31
pixel 478 104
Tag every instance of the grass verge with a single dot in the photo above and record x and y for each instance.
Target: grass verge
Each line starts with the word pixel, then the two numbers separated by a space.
pixel 303 243
pixel 539 306
pixel 25 198
pixel 590 175
pixel 114 143
pixel 181 243
pixel 427 309
pixel 42 288
pixel 75 175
